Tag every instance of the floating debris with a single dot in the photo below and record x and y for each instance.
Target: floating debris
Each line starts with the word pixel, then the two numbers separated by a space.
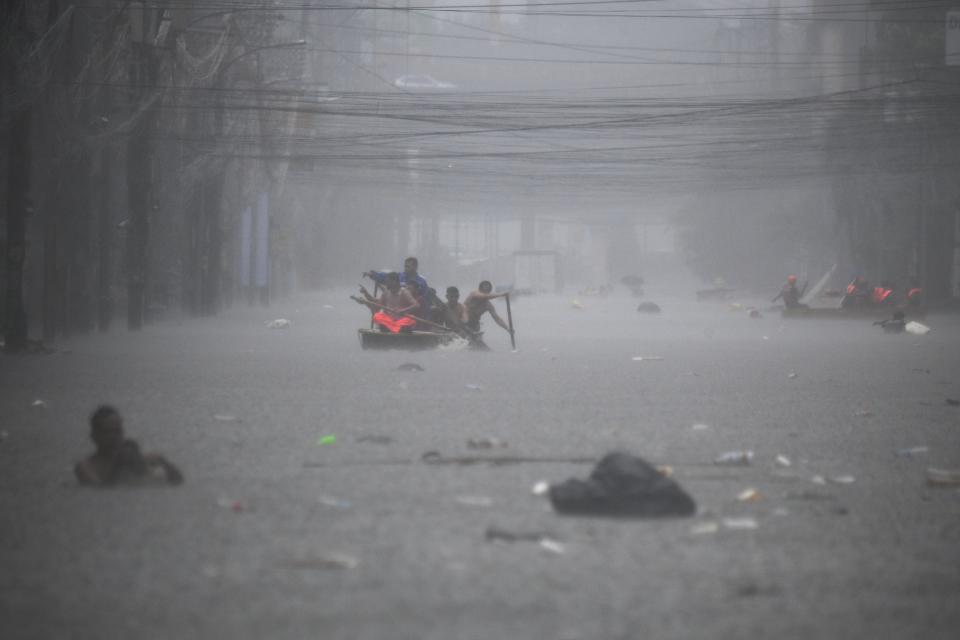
pixel 704 528
pixel 541 488
pixel 915 328
pixel 325 562
pixel 410 366
pixel 279 323
pixel 486 443
pixel 943 477
pixel 330 501
pixel 473 387
pixel 783 461
pixel 700 427
pixel 912 451
pixel 325 440
pixel 740 524
pixel 475 501
pixel 647 358
pixel 843 479
pixel 552 546
pixel 38 404
pixel 734 459
pixel 749 495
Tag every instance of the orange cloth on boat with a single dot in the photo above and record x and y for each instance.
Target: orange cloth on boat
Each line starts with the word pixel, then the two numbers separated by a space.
pixel 393 324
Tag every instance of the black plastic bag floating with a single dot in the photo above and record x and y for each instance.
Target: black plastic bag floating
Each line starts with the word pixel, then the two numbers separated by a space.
pixel 623 486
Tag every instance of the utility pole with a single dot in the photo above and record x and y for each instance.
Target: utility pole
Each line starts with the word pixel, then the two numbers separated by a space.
pixel 18 189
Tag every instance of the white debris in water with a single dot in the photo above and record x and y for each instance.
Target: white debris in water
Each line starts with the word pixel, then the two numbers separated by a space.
pixel 700 427
pixel 475 501
pixel 916 328
pixel 279 323
pixel 646 358
pixel 541 488
pixel 455 344
pixel 548 544
pixel 704 528
pixel 473 387
pixel 39 404
pixel 818 480
pixel 740 524
pixel 783 461
pixel 843 479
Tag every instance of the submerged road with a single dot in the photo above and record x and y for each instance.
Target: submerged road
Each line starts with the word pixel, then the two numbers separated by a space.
pixel 276 536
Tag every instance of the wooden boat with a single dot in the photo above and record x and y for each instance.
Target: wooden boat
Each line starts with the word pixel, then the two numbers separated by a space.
pixel 861 313
pixel 406 340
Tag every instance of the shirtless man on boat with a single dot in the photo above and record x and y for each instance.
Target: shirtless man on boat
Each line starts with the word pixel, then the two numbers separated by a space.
pixel 479 303
pixel 391 309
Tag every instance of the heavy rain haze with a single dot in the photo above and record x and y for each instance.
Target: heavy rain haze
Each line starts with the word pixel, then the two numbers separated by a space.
pixel 437 319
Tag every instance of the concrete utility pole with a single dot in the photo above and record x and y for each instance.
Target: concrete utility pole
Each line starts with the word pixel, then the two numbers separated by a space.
pixel 18 189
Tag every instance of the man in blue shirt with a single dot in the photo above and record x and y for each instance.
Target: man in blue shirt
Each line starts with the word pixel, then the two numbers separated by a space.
pixel 410 266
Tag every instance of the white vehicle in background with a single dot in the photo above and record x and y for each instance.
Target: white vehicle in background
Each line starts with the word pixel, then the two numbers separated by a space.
pixel 422 82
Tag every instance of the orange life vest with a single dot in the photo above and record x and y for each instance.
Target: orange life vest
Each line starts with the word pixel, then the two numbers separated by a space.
pixel 880 295
pixel 394 325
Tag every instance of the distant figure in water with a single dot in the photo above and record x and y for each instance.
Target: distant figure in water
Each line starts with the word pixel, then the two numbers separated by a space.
pixel 478 303
pixel 897 324
pixel 118 460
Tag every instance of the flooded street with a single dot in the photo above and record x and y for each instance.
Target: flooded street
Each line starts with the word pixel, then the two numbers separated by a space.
pixel 283 532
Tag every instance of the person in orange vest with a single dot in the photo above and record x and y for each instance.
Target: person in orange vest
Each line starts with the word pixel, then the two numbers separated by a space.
pixel 883 295
pixel 857 295
pixel 390 311
pixel 791 295
pixel 914 295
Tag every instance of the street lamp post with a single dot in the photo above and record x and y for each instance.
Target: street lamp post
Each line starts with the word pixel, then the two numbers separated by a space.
pixel 212 190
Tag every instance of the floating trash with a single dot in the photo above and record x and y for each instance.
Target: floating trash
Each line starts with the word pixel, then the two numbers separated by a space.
pixel 704 528
pixel 552 546
pixel 486 443
pixel 541 488
pixel 325 562
pixel 700 427
pixel 473 387
pixel 943 477
pixel 740 524
pixel 325 440
pixel 749 495
pixel 818 480
pixel 842 479
pixel 647 358
pixel 475 501
pixel 38 404
pixel 915 328
pixel 237 506
pixel 783 461
pixel 734 459
pixel 331 501
pixel 912 451
pixel 279 323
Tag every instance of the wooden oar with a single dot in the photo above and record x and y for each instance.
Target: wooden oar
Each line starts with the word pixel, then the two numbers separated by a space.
pixel 376 289
pixel 513 341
